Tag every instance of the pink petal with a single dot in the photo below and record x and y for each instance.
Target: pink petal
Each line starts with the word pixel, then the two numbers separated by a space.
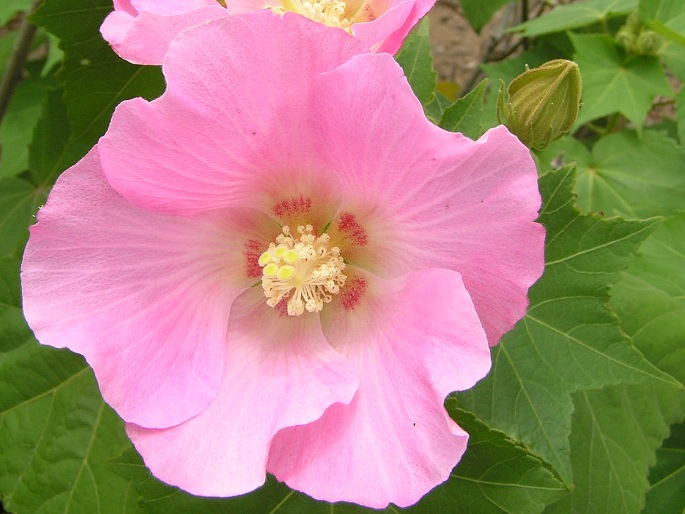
pixel 125 5
pixel 167 7
pixel 247 6
pixel 145 298
pixel 144 38
pixel 280 372
pixel 414 339
pixel 387 33
pixel 437 200
pixel 233 123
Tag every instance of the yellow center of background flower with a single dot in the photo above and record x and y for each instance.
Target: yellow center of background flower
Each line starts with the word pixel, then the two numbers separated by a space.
pixel 327 12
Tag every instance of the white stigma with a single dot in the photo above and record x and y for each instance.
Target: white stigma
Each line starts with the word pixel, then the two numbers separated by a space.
pixel 303 269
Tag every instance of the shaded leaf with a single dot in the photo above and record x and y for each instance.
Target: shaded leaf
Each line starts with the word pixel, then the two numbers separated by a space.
pixel 436 107
pixel 50 152
pixel 667 477
pixel 17 126
pixel 479 12
pixel 19 200
pixel 95 78
pixel 13 329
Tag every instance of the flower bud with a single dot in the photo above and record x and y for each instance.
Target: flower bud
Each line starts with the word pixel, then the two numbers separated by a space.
pixel 626 39
pixel 649 43
pixel 542 104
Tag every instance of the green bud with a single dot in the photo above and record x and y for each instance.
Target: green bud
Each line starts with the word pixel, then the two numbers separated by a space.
pixel 626 39
pixel 542 104
pixel 648 43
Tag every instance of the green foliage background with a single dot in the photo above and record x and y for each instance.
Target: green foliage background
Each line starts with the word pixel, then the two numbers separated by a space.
pixel 583 410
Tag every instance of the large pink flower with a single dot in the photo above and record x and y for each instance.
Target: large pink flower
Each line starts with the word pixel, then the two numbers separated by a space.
pixel 280 265
pixel 140 30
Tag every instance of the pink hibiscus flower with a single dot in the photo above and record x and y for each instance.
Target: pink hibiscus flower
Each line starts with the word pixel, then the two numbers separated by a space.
pixel 140 30
pixel 280 265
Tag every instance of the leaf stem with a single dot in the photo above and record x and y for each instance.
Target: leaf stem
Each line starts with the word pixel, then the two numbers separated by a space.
pixel 15 64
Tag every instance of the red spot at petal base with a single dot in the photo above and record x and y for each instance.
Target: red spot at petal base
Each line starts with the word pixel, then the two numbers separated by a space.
pixel 253 249
pixel 352 229
pixel 292 207
pixel 352 292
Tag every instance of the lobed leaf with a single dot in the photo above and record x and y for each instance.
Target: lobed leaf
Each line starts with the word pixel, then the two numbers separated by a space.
pixel 568 341
pixel 56 433
pixel 626 175
pixel 650 298
pixel 616 431
pixel 614 82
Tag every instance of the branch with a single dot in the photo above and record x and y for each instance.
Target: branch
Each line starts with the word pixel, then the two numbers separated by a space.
pixel 15 64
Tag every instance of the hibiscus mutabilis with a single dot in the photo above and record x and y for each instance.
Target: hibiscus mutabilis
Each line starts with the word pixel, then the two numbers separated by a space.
pixel 140 30
pixel 282 266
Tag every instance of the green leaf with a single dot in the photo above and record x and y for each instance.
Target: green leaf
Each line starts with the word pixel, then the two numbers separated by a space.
pixel 49 152
pixel 650 298
pixel 667 477
pixel 670 12
pixel 627 175
pixel 614 82
pixel 680 114
pixel 95 79
pixel 417 63
pixel 13 329
pixel 568 340
pixel 576 15
pixel 466 114
pixel 616 431
pixel 273 497
pixel 6 47
pixel 17 126
pixel 436 107
pixel 19 200
pixel 55 436
pixel 9 8
pixel 479 12
pixel 494 476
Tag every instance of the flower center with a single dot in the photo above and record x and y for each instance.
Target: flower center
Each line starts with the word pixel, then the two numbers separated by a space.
pixel 328 12
pixel 302 268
